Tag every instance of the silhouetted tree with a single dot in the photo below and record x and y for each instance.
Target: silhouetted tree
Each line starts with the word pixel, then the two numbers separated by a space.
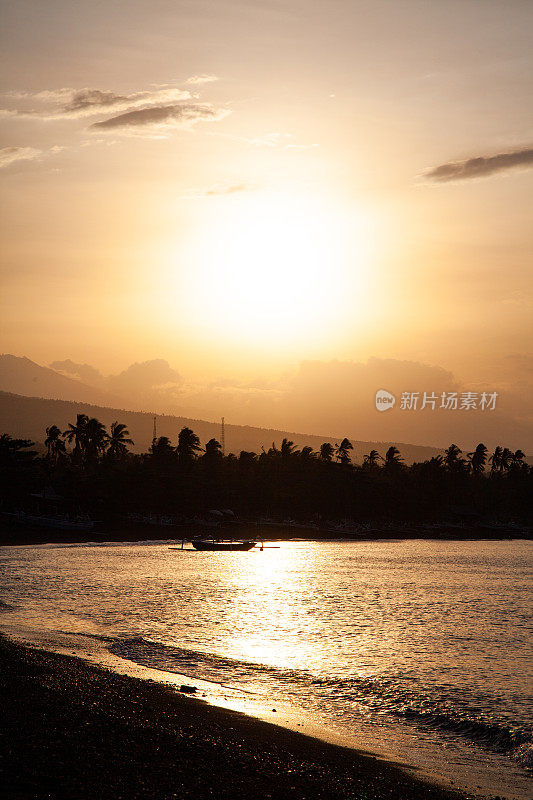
pixel 477 459
pixel 342 451
pixel 288 449
pixel 162 448
pixel 506 460
pixel 96 438
pixel 452 458
pixel 78 434
pixel 247 458
pixel 281 482
pixel 326 451
pixel 188 446
pixel 307 454
pixel 55 446
pixel 213 450
pixel 371 459
pixel 517 462
pixel 19 469
pixel 496 459
pixel 118 441
pixel 393 458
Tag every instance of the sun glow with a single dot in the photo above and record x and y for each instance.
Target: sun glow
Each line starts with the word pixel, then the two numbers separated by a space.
pixel 266 268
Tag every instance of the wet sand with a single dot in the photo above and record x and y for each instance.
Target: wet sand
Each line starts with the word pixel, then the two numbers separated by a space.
pixel 72 730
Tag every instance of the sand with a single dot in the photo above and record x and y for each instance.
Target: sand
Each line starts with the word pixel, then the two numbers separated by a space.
pixel 74 730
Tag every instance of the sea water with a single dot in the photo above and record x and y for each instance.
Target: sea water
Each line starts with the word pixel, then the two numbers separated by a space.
pixel 416 650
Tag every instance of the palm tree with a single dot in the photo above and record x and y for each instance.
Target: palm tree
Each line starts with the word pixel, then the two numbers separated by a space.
pixel 118 440
pixel 96 438
pixel 341 453
pixel 371 459
pixel 188 445
pixel 496 459
pixel 393 458
pixel 78 434
pixel 213 450
pixel 307 453
pixel 326 452
pixel 506 460
pixel 246 457
pixel 55 445
pixel 517 463
pixel 288 449
pixel 161 448
pixel 477 459
pixel 452 458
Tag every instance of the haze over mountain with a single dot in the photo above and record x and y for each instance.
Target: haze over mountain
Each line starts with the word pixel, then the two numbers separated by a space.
pixel 27 417
pixel 23 376
pixel 326 399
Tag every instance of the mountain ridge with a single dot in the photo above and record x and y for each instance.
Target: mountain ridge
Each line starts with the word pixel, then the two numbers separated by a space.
pixel 21 375
pixel 27 417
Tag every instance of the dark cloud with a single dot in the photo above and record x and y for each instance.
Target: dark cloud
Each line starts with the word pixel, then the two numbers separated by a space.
pixel 93 99
pixel 68 103
pixel 161 116
pixel 481 166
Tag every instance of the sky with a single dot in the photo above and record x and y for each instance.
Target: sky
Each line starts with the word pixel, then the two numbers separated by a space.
pixel 259 192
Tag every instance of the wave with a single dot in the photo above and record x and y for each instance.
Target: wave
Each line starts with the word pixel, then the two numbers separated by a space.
pixel 437 707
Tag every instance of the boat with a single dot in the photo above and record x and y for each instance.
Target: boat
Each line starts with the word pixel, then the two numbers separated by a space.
pixel 227 545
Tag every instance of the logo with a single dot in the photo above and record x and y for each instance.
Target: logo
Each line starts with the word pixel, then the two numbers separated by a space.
pixel 384 400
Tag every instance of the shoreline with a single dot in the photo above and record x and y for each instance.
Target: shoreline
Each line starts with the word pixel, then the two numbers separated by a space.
pixel 76 729
pixel 12 534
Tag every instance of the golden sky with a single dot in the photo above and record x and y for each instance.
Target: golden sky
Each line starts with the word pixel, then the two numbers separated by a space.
pixel 241 188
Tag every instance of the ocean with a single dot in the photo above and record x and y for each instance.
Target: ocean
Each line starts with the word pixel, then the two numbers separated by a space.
pixel 418 651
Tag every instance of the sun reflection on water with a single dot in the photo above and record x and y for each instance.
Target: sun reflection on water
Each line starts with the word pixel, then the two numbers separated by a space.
pixel 268 621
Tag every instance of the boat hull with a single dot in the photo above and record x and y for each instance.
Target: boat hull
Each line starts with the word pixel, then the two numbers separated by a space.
pixel 204 544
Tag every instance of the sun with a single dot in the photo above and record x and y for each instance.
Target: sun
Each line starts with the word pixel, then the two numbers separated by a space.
pixel 267 268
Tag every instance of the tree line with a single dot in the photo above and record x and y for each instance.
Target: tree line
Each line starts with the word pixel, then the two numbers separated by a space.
pixel 94 469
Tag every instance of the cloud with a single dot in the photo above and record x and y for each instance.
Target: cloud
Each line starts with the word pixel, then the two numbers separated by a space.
pixel 140 380
pixel 217 190
pixel 144 376
pixel 518 299
pixel 68 103
pixel 272 140
pixel 337 398
pixel 196 80
pixel 8 155
pixel 480 166
pixel 83 372
pixel 183 115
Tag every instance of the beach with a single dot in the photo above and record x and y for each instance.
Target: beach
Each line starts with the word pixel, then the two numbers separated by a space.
pixel 73 730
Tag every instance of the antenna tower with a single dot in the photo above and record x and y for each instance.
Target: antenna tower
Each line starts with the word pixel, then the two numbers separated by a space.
pixel 154 438
pixel 223 438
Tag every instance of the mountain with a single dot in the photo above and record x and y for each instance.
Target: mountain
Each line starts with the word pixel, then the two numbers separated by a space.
pixel 27 417
pixel 25 377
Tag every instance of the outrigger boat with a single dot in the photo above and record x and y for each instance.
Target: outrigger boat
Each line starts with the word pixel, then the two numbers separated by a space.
pixel 223 545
